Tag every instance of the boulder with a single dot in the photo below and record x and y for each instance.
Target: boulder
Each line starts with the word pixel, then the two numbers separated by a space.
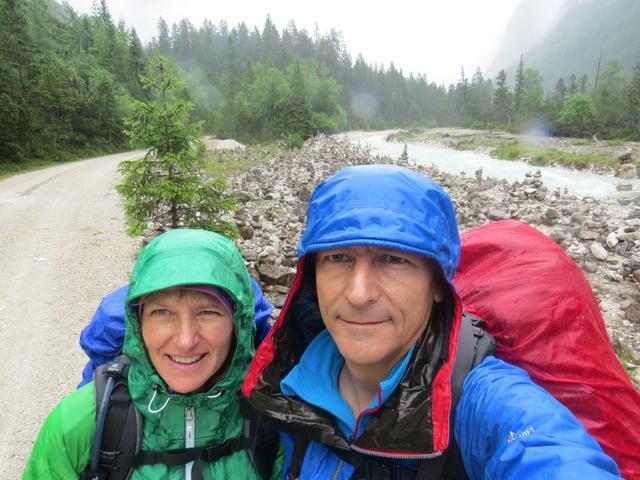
pixel 598 251
pixel 276 274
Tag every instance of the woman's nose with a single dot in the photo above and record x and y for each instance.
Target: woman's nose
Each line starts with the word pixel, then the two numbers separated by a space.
pixel 187 335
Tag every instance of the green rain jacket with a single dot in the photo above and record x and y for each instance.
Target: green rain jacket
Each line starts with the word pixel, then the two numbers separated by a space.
pixel 176 258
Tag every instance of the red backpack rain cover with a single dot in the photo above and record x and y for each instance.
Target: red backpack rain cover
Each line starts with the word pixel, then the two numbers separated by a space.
pixel 544 317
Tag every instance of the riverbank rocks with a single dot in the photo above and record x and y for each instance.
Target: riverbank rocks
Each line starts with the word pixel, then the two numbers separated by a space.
pixel 601 235
pixel 627 171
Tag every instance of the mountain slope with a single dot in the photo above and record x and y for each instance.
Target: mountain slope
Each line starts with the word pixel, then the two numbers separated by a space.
pixel 584 30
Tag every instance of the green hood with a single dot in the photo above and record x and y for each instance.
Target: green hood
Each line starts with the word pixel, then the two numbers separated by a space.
pixel 177 258
pixel 190 257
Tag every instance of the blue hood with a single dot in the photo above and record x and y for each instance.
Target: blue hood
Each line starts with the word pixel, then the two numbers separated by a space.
pixel 385 206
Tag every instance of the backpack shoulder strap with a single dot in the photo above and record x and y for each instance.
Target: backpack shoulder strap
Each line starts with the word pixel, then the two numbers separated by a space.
pixel 118 423
pixel 300 445
pixel 263 448
pixel 474 344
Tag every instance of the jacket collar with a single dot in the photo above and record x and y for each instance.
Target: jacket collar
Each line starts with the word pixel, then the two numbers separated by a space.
pixel 425 388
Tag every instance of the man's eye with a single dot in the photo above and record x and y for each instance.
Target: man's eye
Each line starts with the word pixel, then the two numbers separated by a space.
pixel 394 259
pixel 160 312
pixel 210 313
pixel 337 257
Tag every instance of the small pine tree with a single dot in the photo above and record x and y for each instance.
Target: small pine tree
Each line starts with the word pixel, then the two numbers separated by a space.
pixel 518 91
pixel 502 100
pixel 633 98
pixel 169 186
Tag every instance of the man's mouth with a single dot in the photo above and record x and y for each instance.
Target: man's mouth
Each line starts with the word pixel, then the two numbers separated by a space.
pixel 363 322
pixel 186 360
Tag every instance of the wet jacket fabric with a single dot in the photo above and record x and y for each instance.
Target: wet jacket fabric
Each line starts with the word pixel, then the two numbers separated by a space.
pixel 505 426
pixel 176 258
pixel 103 337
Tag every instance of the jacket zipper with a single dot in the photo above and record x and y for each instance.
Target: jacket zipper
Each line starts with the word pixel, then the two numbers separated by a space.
pixel 338 470
pixel 393 456
pixel 190 437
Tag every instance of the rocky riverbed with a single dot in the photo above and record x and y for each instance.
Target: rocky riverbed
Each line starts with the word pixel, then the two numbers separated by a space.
pixel 624 157
pixel 602 236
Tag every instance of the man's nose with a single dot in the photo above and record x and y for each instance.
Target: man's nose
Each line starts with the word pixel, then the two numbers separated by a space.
pixel 188 332
pixel 363 286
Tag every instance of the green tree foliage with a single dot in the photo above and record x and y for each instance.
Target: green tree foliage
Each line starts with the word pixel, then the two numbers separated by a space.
pixel 633 96
pixel 578 116
pixel 502 100
pixel 532 95
pixel 518 91
pixel 296 103
pixel 66 82
pixel 478 100
pixel 610 98
pixel 168 186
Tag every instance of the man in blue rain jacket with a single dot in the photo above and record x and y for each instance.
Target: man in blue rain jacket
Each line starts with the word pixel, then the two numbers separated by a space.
pixel 357 371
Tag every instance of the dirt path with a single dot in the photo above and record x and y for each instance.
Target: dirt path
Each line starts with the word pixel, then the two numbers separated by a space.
pixel 62 247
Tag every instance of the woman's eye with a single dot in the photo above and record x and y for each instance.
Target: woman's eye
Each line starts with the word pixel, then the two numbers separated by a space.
pixel 160 312
pixel 210 313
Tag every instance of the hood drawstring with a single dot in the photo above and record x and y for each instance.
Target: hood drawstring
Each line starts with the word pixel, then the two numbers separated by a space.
pixel 156 388
pixel 217 394
pixel 155 392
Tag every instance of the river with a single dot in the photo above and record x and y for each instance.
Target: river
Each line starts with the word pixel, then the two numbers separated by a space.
pixel 455 161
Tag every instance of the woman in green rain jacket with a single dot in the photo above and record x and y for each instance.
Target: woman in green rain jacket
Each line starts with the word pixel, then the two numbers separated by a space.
pixel 189 352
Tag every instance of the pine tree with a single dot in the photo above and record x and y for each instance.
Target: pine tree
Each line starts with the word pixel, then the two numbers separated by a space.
pixel 298 116
pixel 164 43
pixel 573 84
pixel 136 64
pixel 610 98
pixel 584 84
pixel 633 97
pixel 559 92
pixel 168 186
pixel 18 73
pixel 518 91
pixel 502 100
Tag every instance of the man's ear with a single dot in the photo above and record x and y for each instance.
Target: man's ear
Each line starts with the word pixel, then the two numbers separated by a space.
pixel 438 296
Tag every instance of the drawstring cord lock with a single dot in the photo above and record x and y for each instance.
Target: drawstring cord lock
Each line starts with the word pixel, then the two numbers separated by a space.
pixel 155 392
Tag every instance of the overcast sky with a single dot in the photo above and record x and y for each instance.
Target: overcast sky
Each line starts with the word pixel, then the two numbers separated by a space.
pixel 435 37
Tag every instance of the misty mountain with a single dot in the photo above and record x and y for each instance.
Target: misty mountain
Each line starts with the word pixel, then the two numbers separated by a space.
pixel 564 37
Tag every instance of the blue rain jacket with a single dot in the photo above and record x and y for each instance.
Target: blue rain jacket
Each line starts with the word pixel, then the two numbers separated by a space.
pixel 506 426
pixel 102 338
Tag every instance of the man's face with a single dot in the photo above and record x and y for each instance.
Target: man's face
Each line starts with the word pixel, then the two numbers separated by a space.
pixel 375 302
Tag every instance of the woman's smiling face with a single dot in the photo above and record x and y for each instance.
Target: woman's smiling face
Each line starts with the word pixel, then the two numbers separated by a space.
pixel 188 336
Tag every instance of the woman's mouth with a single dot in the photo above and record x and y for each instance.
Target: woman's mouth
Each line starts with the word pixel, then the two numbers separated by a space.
pixel 186 360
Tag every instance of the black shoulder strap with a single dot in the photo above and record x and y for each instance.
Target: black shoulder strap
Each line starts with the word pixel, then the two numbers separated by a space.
pixel 300 445
pixel 263 448
pixel 474 344
pixel 118 422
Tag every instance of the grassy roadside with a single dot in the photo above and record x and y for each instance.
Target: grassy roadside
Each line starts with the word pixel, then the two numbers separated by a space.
pixel 9 169
pixel 222 163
